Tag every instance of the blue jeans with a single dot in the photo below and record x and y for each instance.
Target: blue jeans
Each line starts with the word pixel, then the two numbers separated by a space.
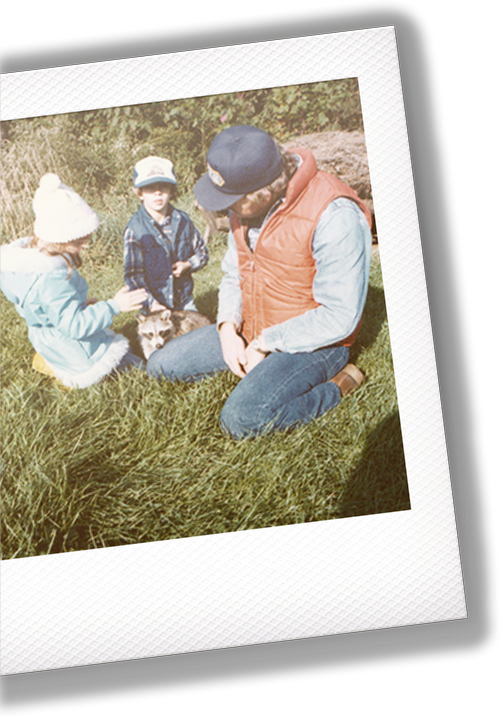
pixel 283 391
pixel 130 360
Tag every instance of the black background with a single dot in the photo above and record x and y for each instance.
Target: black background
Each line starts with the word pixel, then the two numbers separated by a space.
pixel 444 56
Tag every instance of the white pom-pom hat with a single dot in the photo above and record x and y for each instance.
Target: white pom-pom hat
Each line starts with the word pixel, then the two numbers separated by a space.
pixel 61 214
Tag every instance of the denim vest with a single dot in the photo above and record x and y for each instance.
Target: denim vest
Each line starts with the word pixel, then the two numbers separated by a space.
pixel 159 253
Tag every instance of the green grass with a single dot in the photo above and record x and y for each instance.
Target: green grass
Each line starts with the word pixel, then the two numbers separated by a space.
pixel 134 459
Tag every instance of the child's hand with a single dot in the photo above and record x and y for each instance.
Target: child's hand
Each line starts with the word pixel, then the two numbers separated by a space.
pixel 180 267
pixel 130 300
pixel 90 301
pixel 155 306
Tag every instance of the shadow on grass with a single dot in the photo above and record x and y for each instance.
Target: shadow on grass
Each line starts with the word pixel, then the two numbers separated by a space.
pixel 207 303
pixel 129 330
pixel 379 482
pixel 93 482
pixel 374 316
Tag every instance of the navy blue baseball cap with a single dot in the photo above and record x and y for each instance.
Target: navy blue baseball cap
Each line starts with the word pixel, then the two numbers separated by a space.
pixel 240 160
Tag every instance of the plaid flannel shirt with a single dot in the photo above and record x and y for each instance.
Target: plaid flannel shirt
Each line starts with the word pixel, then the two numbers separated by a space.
pixel 151 249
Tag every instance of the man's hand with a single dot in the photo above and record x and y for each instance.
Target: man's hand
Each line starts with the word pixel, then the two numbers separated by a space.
pixel 253 357
pixel 233 349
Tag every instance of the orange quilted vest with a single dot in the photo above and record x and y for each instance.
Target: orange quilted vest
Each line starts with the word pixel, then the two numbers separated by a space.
pixel 277 279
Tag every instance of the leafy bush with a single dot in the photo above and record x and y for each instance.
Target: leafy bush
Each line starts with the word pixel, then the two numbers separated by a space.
pixel 95 151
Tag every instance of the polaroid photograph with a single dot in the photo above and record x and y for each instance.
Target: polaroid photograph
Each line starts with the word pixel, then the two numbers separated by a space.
pixel 215 337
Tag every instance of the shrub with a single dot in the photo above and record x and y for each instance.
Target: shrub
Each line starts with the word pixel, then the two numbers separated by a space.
pixel 95 151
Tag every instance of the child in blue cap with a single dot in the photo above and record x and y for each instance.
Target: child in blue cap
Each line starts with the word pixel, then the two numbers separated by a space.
pixel 162 247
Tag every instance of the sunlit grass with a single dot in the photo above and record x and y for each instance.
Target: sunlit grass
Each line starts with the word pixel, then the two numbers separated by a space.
pixel 134 459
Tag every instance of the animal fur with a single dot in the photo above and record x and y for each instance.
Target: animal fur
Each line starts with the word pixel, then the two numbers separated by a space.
pixel 157 328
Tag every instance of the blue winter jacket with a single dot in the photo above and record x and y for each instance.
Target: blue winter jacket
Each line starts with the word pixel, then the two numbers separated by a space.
pixel 72 337
pixel 150 251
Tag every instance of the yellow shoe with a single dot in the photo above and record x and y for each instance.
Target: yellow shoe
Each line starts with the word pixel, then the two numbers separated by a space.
pixel 41 366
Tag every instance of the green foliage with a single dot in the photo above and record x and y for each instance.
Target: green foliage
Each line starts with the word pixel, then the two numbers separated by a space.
pixel 95 151
pixel 184 129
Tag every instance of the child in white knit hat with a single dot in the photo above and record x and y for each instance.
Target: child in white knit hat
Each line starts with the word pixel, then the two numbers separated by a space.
pixel 70 332
pixel 162 247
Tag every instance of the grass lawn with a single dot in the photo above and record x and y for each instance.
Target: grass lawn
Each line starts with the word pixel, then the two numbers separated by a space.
pixel 134 459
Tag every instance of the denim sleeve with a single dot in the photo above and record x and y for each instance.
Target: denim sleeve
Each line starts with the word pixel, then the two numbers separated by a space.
pixel 134 274
pixel 342 252
pixel 199 258
pixel 229 289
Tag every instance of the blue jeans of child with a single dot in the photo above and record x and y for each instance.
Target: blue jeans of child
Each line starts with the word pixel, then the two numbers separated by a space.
pixel 283 391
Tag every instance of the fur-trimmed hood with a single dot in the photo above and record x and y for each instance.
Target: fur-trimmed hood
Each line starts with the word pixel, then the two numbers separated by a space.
pixel 22 266
pixel 18 257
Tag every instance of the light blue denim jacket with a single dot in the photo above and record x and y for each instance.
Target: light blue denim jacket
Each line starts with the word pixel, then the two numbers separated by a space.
pixel 342 252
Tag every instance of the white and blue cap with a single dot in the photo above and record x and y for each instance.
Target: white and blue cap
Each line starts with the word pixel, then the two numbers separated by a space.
pixel 240 160
pixel 151 170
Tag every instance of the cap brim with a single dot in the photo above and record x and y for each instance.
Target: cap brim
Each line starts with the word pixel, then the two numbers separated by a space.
pixel 212 198
pixel 155 180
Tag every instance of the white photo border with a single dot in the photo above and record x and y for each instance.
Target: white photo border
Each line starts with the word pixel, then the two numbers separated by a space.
pixel 280 583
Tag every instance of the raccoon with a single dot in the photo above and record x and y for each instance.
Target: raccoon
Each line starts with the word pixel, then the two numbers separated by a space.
pixel 157 328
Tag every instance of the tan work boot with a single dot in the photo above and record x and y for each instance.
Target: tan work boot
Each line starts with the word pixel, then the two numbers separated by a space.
pixel 348 379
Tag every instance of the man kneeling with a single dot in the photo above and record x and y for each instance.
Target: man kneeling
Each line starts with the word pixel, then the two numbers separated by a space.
pixel 295 282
